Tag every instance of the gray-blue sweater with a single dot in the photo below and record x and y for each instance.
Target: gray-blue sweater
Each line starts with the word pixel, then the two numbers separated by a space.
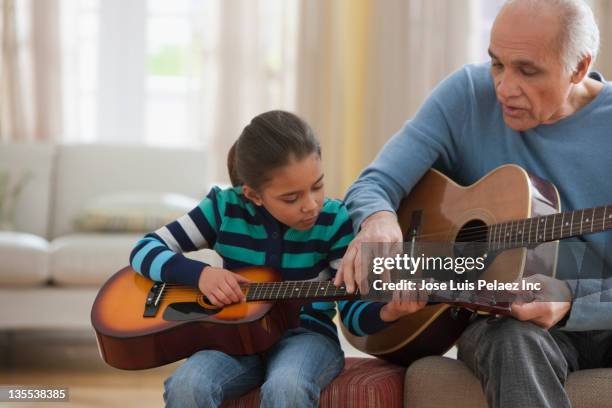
pixel 460 130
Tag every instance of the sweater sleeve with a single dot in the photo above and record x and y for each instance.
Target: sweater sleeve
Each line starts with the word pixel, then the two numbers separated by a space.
pixel 591 305
pixel 586 267
pixel 430 138
pixel 159 255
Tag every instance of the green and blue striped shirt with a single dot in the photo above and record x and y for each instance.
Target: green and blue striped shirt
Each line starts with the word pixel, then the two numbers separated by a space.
pixel 244 234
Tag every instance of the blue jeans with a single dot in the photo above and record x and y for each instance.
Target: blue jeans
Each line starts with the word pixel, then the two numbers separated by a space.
pixel 293 373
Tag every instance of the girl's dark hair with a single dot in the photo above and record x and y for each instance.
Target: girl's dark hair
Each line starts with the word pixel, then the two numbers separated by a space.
pixel 270 141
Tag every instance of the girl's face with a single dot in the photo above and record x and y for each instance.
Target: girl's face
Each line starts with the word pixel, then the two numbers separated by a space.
pixel 294 195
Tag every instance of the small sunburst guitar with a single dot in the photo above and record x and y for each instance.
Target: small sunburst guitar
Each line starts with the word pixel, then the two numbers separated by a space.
pixel 142 324
pixel 514 218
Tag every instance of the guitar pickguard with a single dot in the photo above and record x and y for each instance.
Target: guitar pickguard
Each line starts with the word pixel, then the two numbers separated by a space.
pixel 185 311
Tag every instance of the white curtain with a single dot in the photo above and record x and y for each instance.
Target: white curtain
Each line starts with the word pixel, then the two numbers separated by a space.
pixel 321 89
pixel 257 68
pixel 603 14
pixel 30 95
pixel 418 43
pixel 181 74
pixel 354 69
pixel 400 50
pixel 12 116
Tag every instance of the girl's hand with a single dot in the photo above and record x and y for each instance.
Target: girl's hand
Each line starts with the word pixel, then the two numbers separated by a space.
pixel 220 286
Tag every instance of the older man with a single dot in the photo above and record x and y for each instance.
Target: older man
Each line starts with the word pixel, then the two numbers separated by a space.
pixel 535 104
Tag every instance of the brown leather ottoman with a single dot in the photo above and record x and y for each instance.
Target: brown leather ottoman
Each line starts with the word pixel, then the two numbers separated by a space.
pixel 364 383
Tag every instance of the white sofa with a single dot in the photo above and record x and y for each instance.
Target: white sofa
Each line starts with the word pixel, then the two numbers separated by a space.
pixel 50 272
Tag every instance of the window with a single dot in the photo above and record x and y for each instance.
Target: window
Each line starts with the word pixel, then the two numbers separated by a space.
pixel 154 71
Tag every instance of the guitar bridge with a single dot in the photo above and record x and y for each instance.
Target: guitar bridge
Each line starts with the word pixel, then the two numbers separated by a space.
pixel 153 298
pixel 415 226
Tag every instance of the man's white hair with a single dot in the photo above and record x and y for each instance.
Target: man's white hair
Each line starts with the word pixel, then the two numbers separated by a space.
pixel 579 35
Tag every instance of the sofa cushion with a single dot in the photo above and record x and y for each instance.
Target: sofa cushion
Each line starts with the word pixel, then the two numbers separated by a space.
pixel 90 259
pixel 590 388
pixel 132 211
pixel 88 171
pixel 33 203
pixel 24 259
pixel 364 383
pixel 46 308
pixel 427 376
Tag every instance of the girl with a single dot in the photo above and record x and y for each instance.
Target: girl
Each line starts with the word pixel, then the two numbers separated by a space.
pixel 276 215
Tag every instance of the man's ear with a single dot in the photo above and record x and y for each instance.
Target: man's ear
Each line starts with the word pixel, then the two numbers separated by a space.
pixel 252 195
pixel 581 69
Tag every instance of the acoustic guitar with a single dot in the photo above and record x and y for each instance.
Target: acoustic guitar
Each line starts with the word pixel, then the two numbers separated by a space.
pixel 142 324
pixel 511 214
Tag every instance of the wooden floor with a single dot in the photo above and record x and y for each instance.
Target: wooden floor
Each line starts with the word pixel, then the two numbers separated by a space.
pixel 94 387
pixel 71 360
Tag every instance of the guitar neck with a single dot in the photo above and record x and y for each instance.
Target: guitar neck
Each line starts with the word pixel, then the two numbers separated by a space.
pixel 296 290
pixel 325 290
pixel 514 234
pixel 536 230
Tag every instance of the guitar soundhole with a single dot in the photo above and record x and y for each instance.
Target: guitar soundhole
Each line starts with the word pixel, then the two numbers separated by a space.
pixel 473 231
pixel 206 304
pixel 471 241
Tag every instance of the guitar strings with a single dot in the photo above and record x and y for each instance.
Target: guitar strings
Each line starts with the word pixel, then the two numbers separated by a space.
pixel 271 286
pixel 267 289
pixel 483 230
pixel 253 284
pixel 482 235
pixel 184 292
pixel 596 219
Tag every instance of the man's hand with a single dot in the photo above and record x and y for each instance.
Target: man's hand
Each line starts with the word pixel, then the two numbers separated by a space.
pixel 541 309
pixel 381 227
pixel 399 308
pixel 220 286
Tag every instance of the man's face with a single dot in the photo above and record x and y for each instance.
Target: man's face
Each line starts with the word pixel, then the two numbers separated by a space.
pixel 531 83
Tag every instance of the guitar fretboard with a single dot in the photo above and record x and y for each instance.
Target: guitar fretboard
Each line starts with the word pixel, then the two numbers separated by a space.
pixel 536 230
pixel 288 290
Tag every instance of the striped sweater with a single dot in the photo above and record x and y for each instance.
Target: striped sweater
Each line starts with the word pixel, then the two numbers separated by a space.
pixel 244 234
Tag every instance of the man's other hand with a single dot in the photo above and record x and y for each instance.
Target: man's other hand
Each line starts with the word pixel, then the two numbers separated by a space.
pixel 548 305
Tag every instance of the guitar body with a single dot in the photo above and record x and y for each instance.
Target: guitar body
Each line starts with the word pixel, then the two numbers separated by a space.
pixel 507 193
pixel 128 340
